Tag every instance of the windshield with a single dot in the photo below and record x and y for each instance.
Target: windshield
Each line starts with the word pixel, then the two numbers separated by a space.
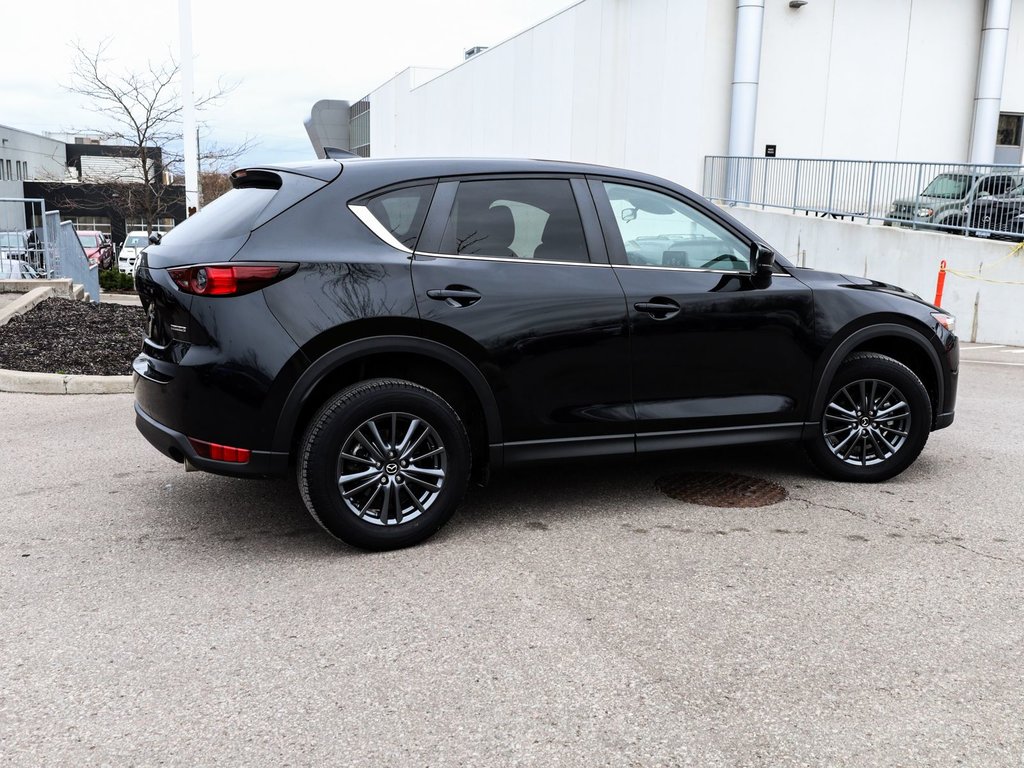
pixel 89 241
pixel 952 186
pixel 138 241
pixel 12 240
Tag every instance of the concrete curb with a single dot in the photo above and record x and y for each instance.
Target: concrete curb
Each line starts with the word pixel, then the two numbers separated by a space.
pixel 24 303
pixel 27 382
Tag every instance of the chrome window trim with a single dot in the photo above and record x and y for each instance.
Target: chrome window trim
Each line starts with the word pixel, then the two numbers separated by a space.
pixel 694 269
pixel 370 221
pixel 512 261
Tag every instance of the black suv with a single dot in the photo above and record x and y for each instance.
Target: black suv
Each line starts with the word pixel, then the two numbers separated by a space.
pixel 387 329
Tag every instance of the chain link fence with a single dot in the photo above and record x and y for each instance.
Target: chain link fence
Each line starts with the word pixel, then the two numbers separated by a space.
pixel 980 200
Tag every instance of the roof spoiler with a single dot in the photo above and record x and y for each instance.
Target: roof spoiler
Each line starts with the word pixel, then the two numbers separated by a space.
pixel 333 153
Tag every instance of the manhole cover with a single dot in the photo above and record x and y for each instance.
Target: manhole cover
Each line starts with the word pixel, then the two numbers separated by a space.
pixel 721 489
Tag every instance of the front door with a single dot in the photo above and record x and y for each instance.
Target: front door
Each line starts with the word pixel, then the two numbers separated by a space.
pixel 504 270
pixel 714 358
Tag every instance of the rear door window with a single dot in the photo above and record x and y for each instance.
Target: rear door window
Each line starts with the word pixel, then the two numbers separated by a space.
pixel 516 219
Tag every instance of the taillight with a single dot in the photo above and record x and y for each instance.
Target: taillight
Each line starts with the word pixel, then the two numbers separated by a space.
pixel 219 452
pixel 228 279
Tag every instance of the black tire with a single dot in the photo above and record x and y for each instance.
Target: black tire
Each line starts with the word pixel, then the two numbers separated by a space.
pixel 867 457
pixel 384 413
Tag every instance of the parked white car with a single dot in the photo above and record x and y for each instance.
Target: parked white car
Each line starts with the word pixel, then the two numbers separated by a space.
pixel 131 249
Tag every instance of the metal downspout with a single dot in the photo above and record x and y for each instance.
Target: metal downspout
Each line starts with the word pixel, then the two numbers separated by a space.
pixel 743 114
pixel 991 63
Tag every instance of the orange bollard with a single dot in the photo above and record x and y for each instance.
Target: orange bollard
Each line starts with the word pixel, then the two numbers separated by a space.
pixel 940 283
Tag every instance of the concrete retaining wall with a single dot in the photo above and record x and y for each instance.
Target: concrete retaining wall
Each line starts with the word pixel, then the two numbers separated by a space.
pixel 989 310
pixel 61 286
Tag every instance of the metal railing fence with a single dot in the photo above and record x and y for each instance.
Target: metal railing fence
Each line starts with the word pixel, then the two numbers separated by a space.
pixel 67 256
pixel 29 233
pixel 20 240
pixel 983 200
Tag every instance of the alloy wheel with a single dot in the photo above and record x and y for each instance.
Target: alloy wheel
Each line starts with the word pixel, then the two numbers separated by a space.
pixel 391 469
pixel 866 422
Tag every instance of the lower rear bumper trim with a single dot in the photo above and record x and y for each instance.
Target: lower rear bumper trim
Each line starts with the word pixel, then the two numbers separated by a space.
pixel 176 446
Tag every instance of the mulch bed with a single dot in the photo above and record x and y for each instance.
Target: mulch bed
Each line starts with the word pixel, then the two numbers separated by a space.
pixel 73 337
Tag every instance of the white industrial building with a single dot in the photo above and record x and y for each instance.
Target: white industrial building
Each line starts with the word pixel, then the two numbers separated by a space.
pixel 657 85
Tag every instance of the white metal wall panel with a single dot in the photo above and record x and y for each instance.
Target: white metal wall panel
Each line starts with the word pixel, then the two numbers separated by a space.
pixel 646 84
pixel 941 70
pixel 1013 76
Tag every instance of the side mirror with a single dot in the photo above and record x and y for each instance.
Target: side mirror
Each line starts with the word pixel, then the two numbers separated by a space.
pixel 762 260
pixel 154 239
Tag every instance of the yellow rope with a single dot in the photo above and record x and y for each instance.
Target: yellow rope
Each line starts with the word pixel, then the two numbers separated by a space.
pixel 1004 257
pixel 967 276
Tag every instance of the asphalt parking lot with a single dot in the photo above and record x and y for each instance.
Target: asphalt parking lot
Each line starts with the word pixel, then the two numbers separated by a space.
pixel 566 616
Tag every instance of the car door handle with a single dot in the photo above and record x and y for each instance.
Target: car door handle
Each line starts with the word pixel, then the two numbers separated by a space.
pixel 455 295
pixel 659 307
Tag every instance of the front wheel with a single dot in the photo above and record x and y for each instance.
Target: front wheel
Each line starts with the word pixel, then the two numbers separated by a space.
pixel 384 464
pixel 875 423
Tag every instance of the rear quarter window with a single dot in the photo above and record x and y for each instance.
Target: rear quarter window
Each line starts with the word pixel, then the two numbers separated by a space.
pixel 402 212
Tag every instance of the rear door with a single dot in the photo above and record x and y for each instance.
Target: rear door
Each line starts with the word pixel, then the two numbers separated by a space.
pixel 514 270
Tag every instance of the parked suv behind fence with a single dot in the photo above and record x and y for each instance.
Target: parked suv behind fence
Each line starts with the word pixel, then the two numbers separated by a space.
pixel 945 202
pixel 386 329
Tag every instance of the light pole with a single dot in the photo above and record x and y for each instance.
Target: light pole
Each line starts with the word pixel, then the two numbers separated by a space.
pixel 190 136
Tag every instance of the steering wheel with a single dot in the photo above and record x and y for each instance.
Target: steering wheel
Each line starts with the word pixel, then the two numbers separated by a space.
pixel 727 258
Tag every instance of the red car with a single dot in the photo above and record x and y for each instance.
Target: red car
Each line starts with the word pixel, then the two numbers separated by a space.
pixel 98 248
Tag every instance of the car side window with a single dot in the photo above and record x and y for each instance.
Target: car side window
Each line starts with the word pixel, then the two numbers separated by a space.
pixel 402 211
pixel 660 231
pixel 516 219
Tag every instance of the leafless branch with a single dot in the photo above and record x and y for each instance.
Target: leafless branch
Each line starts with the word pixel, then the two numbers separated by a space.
pixel 142 110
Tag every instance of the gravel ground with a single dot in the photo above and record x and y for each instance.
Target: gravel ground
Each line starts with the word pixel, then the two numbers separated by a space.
pixel 73 337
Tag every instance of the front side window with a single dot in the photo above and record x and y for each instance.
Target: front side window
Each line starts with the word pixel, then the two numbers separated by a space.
pixel 402 211
pixel 516 219
pixel 996 185
pixel 661 231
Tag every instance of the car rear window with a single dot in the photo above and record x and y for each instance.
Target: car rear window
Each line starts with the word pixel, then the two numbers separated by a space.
pixel 231 215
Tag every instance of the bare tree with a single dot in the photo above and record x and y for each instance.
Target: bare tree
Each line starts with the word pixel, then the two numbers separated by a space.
pixel 142 112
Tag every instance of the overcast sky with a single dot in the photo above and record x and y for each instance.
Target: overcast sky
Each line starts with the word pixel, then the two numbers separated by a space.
pixel 284 56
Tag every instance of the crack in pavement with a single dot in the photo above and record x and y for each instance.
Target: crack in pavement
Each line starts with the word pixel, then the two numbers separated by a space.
pixel 930 537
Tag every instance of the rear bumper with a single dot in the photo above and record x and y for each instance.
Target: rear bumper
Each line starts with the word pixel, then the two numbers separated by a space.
pixel 176 446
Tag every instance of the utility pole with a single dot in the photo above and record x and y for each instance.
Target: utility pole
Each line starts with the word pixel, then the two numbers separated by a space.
pixel 190 136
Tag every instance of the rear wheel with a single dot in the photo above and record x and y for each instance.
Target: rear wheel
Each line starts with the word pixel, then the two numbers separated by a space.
pixel 875 423
pixel 384 464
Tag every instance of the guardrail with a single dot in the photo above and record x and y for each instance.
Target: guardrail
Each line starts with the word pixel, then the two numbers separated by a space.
pixel 981 200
